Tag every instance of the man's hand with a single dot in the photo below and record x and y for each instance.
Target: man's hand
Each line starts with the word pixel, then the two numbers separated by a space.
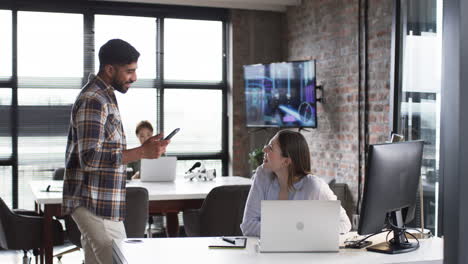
pixel 154 147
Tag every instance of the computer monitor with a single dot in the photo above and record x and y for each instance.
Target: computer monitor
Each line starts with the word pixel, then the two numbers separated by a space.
pixel 390 188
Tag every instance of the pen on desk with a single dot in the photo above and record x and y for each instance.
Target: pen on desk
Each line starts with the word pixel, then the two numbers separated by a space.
pixel 232 241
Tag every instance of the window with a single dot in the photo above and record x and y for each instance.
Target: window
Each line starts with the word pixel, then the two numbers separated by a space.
pixel 198 114
pixel 193 50
pixel 5 44
pixel 136 105
pixel 50 44
pixel 420 91
pixel 53 62
pixel 5 123
pixel 194 90
pixel 129 29
pixel 44 112
pixel 6 185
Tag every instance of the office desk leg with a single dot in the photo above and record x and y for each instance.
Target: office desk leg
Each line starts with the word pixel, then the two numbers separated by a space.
pixel 172 225
pixel 37 209
pixel 47 234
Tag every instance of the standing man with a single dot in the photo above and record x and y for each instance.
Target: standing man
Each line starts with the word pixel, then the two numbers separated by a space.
pixel 96 156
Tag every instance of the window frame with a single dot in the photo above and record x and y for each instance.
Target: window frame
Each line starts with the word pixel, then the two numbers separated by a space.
pixel 89 10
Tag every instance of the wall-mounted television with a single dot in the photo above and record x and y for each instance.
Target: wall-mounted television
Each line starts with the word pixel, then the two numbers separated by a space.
pixel 281 94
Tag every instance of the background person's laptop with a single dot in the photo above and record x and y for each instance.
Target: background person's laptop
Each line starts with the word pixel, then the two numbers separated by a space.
pixel 161 169
pixel 299 226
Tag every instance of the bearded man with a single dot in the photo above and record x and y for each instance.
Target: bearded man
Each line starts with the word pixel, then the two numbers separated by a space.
pixel 96 154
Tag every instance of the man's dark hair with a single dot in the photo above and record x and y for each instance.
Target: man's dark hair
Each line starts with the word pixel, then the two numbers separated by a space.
pixel 117 51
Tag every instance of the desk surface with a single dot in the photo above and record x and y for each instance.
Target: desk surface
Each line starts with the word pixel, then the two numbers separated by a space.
pixel 180 189
pixel 195 250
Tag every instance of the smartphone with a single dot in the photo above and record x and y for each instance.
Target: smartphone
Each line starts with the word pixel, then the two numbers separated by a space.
pixel 172 134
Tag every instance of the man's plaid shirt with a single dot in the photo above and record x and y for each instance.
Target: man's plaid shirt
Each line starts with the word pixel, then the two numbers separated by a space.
pixel 94 175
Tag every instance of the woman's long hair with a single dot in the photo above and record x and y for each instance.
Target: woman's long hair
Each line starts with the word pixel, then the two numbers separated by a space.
pixel 294 145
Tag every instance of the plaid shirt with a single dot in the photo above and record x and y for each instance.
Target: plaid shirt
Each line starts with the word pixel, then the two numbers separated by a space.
pixel 94 175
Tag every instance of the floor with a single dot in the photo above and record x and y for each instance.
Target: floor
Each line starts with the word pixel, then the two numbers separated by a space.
pixel 16 256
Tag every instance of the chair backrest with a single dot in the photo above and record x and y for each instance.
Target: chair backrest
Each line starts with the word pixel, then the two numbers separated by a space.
pixel 137 211
pixel 222 211
pixel 58 174
pixel 4 212
pixel 19 232
pixel 343 194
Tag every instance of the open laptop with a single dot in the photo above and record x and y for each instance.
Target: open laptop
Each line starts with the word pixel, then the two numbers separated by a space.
pixel 299 226
pixel 158 170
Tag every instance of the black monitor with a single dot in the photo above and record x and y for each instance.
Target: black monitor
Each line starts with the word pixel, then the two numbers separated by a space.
pixel 390 188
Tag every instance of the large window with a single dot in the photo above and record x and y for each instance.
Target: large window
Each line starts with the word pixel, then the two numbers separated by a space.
pixel 199 119
pixel 418 93
pixel 57 49
pixel 5 123
pixel 129 28
pixel 193 50
pixel 6 147
pixel 5 44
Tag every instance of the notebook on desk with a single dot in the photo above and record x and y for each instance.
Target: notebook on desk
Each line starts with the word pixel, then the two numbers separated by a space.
pixel 299 226
pixel 158 170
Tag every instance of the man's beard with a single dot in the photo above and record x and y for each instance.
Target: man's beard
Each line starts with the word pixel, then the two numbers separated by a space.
pixel 119 86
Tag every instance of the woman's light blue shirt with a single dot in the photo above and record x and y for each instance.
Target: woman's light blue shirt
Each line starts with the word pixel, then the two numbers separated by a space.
pixel 266 187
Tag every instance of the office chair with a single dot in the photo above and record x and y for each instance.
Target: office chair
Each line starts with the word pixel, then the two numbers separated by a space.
pixel 137 212
pixel 22 230
pixel 221 213
pixel 58 174
pixel 343 194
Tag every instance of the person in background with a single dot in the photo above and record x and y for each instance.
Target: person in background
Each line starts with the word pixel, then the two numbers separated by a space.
pixel 285 175
pixel 96 155
pixel 143 131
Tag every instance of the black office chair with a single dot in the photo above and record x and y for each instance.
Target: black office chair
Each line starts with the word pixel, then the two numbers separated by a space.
pixel 137 212
pixel 22 230
pixel 343 194
pixel 221 213
pixel 58 174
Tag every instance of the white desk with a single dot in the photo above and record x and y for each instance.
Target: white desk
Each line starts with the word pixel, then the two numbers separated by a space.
pixel 195 250
pixel 168 198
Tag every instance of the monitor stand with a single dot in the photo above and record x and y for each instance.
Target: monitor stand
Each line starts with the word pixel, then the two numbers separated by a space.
pixel 399 243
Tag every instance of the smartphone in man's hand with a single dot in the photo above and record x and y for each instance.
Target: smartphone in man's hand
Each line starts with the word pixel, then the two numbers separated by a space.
pixel 172 134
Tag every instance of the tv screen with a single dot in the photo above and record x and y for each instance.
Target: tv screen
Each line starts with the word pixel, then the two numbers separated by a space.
pixel 281 94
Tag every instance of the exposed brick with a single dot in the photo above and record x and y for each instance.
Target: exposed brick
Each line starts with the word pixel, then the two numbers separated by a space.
pixel 325 30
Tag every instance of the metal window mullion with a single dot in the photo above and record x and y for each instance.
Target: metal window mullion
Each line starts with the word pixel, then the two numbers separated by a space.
pixel 195 86
pixel 225 113
pixel 88 46
pixel 160 73
pixel 185 156
pixel 14 108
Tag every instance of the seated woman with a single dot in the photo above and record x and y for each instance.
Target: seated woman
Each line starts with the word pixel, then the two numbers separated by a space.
pixel 143 131
pixel 285 175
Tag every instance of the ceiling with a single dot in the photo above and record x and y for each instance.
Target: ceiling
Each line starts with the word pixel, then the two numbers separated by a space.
pixel 267 5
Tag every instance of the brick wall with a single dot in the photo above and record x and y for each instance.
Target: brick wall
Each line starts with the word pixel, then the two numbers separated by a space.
pixel 328 31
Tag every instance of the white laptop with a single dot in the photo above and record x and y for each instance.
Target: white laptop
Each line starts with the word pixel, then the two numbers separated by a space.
pixel 158 170
pixel 299 226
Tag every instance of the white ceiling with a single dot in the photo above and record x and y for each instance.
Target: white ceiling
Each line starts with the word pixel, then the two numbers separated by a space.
pixel 268 5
